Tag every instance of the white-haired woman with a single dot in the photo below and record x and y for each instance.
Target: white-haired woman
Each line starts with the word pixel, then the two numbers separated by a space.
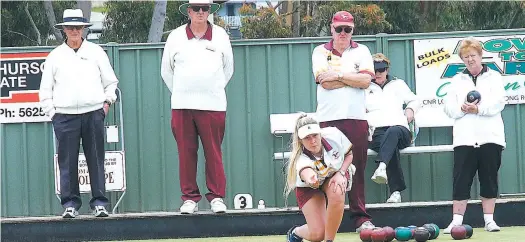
pixel 479 134
pixel 318 170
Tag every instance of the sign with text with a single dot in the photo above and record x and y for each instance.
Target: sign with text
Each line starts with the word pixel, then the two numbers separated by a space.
pixel 437 61
pixel 21 74
pixel 114 167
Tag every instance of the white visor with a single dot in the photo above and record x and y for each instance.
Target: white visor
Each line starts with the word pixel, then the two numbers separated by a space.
pixel 308 130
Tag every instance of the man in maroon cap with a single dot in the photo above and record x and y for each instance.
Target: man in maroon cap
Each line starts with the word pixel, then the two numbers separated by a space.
pixel 343 69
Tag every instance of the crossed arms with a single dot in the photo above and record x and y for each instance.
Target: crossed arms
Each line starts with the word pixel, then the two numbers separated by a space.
pixel 330 80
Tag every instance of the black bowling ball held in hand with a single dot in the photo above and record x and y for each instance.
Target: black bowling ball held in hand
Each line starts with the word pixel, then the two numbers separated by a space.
pixel 472 96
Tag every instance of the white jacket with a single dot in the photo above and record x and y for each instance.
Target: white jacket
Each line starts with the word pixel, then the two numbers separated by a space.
pixel 487 125
pixel 77 82
pixel 196 71
pixel 385 105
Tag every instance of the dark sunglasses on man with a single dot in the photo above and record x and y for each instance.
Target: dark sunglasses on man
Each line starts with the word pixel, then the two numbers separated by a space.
pixel 347 29
pixel 197 8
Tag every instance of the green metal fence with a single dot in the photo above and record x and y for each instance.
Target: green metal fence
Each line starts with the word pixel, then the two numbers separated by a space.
pixel 271 76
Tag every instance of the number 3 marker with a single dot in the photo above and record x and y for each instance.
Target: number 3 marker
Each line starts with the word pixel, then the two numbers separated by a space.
pixel 243 201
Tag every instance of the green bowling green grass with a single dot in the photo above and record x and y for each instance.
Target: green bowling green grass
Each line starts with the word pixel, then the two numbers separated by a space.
pixel 510 234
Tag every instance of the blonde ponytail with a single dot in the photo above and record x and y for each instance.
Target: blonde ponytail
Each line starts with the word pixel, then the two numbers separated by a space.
pixel 295 153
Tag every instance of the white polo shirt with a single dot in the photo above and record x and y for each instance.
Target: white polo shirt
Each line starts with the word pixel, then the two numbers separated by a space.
pixel 196 71
pixel 346 102
pixel 335 148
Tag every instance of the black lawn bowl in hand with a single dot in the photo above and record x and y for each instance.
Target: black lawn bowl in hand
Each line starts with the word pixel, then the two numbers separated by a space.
pixel 472 96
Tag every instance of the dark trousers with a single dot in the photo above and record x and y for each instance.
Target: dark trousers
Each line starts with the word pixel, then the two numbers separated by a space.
pixel 187 125
pixel 357 132
pixel 69 130
pixel 387 141
pixel 486 160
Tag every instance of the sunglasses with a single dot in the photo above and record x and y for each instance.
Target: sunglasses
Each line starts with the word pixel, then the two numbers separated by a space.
pixel 381 69
pixel 73 27
pixel 347 29
pixel 197 8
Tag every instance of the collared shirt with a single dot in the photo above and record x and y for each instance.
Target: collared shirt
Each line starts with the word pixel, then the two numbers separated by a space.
pixel 207 35
pixel 346 102
pixel 335 148
pixel 197 70
pixel 475 78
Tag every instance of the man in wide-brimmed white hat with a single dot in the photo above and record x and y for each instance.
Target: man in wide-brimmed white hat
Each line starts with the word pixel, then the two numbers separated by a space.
pixel 213 7
pixel 73 17
pixel 197 64
pixel 77 87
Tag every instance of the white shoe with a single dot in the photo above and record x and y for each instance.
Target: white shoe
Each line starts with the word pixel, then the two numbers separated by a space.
pixel 217 205
pixel 100 211
pixel 70 212
pixel 449 228
pixel 379 176
pixel 492 227
pixel 189 207
pixel 365 225
pixel 394 198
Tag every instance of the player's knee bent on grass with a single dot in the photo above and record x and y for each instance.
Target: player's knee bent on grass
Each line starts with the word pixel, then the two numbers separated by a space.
pixel 320 171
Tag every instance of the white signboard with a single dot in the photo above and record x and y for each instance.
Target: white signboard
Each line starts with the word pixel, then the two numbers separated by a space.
pixel 114 166
pixel 20 84
pixel 437 61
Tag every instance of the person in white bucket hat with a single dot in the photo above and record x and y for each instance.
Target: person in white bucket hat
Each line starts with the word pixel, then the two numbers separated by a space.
pixel 77 87
pixel 73 17
pixel 320 170
pixel 197 65
pixel 196 4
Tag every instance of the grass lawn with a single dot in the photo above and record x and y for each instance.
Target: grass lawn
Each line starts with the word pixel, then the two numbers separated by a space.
pixel 510 234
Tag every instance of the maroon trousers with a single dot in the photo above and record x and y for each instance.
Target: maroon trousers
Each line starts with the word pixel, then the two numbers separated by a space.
pixel 187 125
pixel 357 132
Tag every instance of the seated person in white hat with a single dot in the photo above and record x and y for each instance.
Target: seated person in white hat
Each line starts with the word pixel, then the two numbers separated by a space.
pixel 385 98
pixel 77 87
pixel 320 170
pixel 197 64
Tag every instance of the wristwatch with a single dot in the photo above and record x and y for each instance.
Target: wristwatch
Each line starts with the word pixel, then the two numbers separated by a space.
pixel 340 76
pixel 108 103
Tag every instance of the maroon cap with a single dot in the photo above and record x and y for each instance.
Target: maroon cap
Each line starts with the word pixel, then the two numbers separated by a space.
pixel 342 17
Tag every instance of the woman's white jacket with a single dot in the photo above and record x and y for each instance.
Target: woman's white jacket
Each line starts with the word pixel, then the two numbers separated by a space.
pixel 487 125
